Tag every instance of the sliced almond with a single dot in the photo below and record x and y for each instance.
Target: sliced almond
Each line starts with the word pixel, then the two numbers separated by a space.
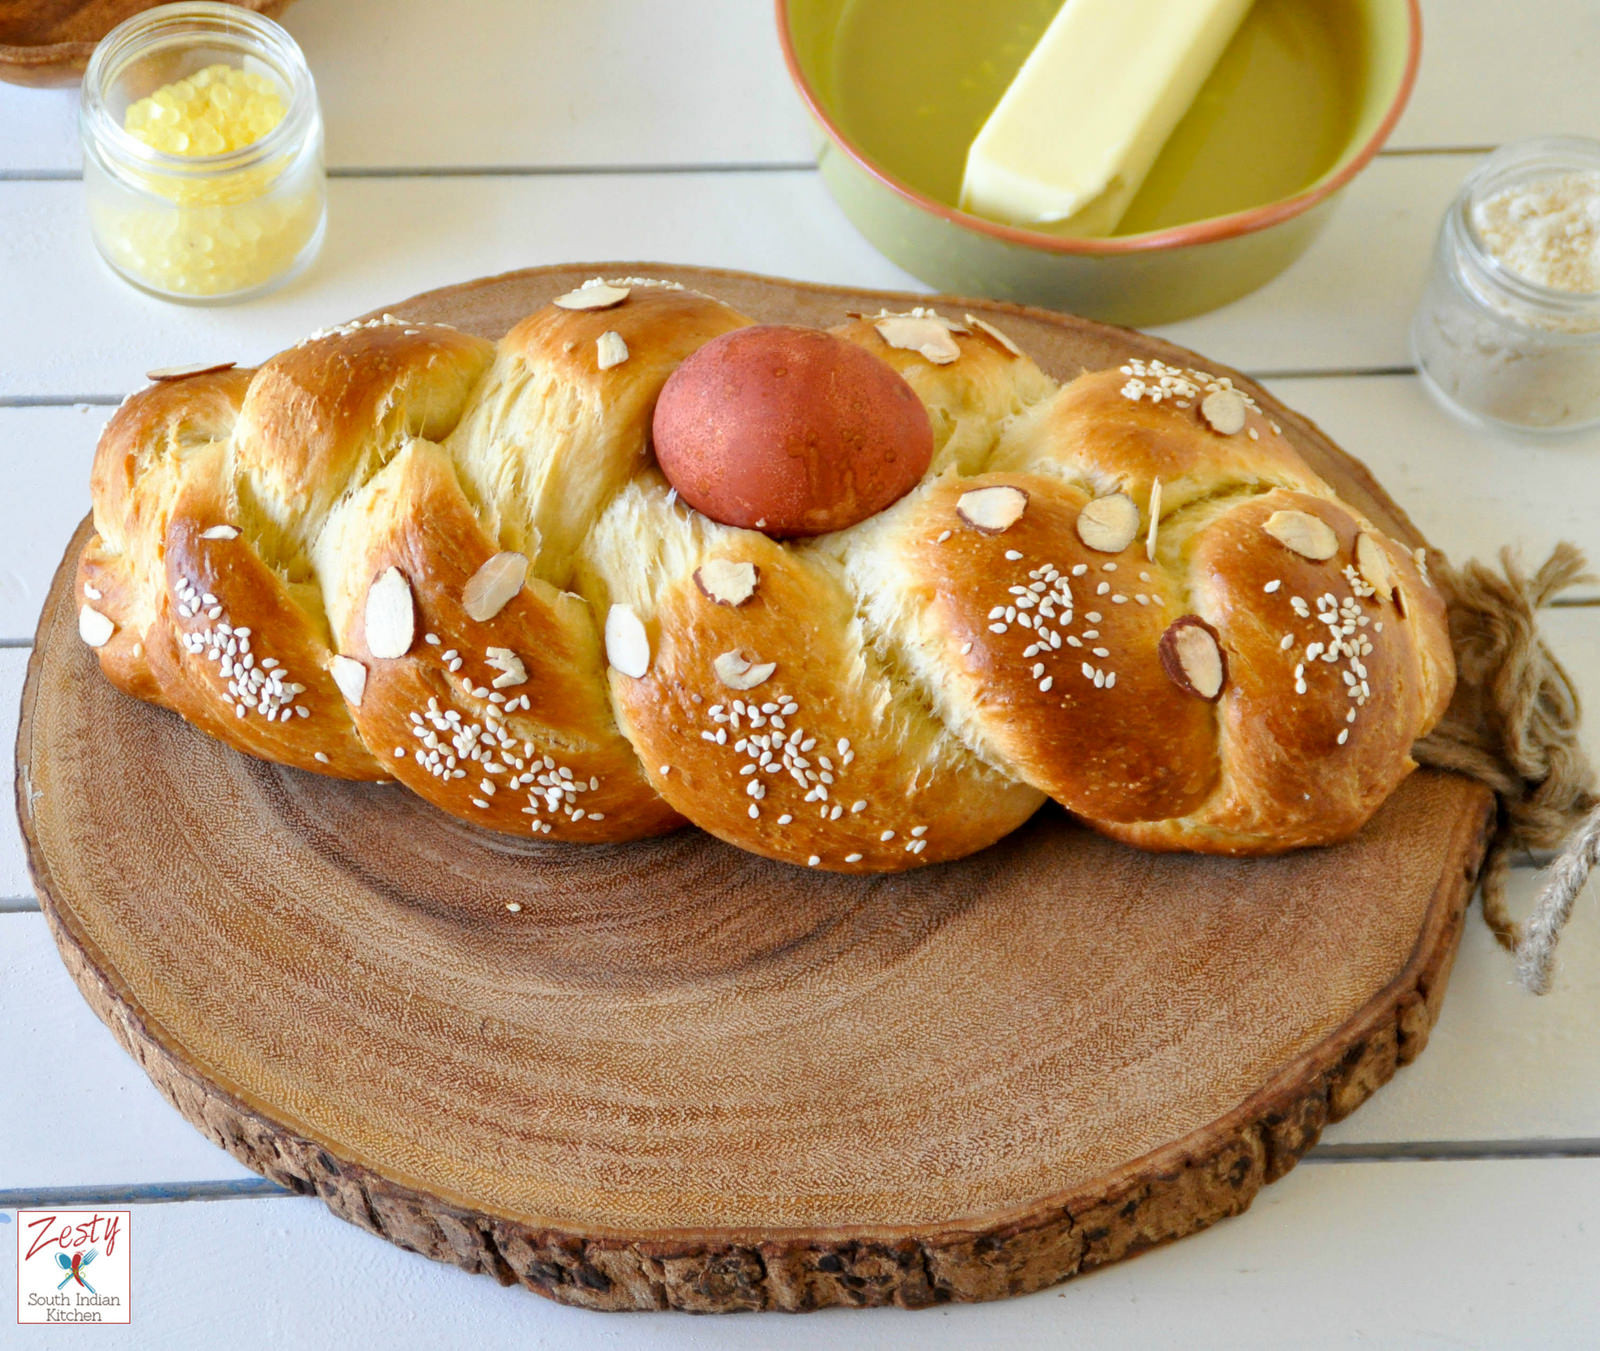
pixel 1155 521
pixel 165 373
pixel 627 644
pixel 926 312
pixel 990 331
pixel 1309 536
pixel 610 350
pixel 492 586
pixel 1225 411
pixel 992 510
pixel 221 532
pixel 739 671
pixel 919 333
pixel 1193 658
pixel 1109 524
pixel 350 676
pixel 509 664
pixel 727 582
pixel 595 296
pixel 391 615
pixel 93 627
pixel 1372 562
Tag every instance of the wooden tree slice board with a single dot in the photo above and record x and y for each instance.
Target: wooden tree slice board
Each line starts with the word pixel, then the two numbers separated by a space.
pixel 683 1076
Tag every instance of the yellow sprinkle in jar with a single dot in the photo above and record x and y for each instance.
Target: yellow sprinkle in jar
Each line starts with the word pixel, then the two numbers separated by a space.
pixel 202 153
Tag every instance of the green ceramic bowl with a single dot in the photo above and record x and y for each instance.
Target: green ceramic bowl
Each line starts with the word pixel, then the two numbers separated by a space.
pixel 1137 279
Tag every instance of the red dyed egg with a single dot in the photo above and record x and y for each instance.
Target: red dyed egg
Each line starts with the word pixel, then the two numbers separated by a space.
pixel 790 431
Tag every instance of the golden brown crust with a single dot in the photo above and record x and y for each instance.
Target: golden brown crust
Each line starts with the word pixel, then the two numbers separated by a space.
pixel 542 754
pixel 1062 675
pixel 937 669
pixel 825 762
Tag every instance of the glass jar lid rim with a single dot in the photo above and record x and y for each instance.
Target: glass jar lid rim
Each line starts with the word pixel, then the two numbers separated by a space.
pixel 1545 157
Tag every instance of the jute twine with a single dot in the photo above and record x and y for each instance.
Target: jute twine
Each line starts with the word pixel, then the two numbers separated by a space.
pixel 1513 724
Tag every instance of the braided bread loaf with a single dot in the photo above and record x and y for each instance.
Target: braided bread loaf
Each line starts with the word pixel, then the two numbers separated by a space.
pixel 397 551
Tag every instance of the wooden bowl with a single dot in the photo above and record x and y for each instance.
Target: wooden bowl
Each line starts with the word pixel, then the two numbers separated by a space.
pixel 679 1075
pixel 44 44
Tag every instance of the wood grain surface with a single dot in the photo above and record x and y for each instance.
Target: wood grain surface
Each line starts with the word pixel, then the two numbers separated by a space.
pixel 49 42
pixel 682 1076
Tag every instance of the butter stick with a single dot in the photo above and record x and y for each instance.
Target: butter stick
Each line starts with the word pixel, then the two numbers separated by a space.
pixel 1072 138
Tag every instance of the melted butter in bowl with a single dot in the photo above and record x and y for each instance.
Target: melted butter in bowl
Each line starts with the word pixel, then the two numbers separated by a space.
pixel 914 80
pixel 1299 100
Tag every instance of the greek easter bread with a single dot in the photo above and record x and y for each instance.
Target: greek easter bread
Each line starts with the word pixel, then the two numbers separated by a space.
pixel 397 551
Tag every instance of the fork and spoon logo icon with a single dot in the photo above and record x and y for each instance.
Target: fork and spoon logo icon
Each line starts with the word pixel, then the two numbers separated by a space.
pixel 74 1268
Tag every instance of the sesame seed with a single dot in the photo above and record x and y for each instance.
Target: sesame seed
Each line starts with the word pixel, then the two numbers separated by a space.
pixel 514 907
pixel 1344 736
pixel 1273 585
pixel 886 836
pixel 852 858
pixel 320 758
pixel 1013 554
pixel 919 831
pixel 813 861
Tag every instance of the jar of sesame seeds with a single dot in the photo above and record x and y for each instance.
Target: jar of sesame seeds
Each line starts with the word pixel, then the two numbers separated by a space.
pixel 202 153
pixel 1508 329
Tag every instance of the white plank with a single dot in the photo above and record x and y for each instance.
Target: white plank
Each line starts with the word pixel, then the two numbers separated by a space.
pixel 1501 1064
pixel 1344 305
pixel 45 454
pixel 38 131
pixel 1396 1254
pixel 88 333
pixel 1469 491
pixel 637 82
pixel 75 1109
pixel 14 881
pixel 625 83
pixel 1493 73
pixel 633 82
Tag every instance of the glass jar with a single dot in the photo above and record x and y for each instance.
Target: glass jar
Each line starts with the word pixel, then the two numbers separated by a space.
pixel 1491 341
pixel 202 227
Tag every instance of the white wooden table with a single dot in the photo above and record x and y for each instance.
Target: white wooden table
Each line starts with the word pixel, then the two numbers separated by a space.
pixel 1461 1207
